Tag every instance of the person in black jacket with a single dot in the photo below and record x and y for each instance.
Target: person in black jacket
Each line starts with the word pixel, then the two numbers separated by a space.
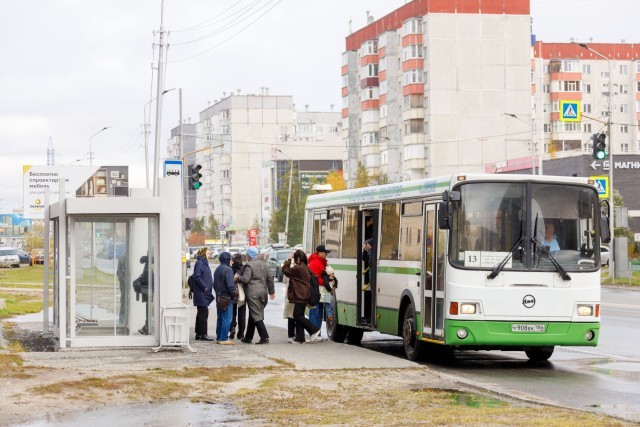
pixel 202 293
pixel 225 288
pixel 239 318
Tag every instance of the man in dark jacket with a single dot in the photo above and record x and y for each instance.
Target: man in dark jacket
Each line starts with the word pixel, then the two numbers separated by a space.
pixel 225 288
pixel 202 293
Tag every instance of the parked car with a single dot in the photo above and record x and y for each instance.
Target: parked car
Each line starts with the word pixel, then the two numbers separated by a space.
pixel 37 255
pixel 236 250
pixel 9 257
pixel 604 255
pixel 25 257
pixel 276 259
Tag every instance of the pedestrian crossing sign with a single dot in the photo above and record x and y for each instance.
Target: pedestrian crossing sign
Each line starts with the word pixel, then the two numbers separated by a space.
pixel 569 111
pixel 602 185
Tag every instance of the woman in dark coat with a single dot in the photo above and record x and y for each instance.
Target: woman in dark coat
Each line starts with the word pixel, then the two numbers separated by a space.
pixel 239 311
pixel 258 289
pixel 298 293
pixel 202 293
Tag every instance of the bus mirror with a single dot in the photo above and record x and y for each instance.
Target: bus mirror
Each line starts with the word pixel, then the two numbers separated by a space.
pixel 605 235
pixel 444 216
pixel 450 196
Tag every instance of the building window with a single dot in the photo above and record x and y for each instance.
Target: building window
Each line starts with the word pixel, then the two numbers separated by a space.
pixel 586 108
pixel 369 47
pixel 586 88
pixel 570 66
pixel 412 51
pixel 413 76
pixel 384 158
pixel 546 88
pixel 226 114
pixel 413 126
pixel 555 106
pixel 604 74
pixel 412 26
pixel 571 86
pixel 547 128
pixel 586 69
pixel 624 128
pixel 415 100
pixel 624 89
pixel 624 147
pixel 333 129
pixel 384 87
pixel 587 127
pixel 624 108
pixel 369 138
pixel 571 127
pixel 624 69
pixel 383 110
pixel 370 70
pixel 225 129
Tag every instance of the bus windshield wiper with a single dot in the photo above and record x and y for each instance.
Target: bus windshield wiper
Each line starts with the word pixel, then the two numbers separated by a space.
pixel 498 268
pixel 556 264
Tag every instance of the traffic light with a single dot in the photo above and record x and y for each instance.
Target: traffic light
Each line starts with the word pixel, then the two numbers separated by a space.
pixel 599 145
pixel 194 176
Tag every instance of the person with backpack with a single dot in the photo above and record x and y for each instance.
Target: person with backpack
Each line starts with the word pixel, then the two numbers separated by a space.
pixel 202 293
pixel 298 293
pixel 225 288
pixel 317 265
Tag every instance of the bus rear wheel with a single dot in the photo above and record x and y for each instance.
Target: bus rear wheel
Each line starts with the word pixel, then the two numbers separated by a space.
pixel 354 337
pixel 411 343
pixel 335 331
pixel 539 354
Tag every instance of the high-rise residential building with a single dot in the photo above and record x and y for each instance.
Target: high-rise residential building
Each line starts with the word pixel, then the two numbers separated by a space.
pixel 436 87
pixel 245 145
pixel 569 71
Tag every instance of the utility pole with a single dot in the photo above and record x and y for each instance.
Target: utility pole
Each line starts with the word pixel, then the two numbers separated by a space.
pixel 156 156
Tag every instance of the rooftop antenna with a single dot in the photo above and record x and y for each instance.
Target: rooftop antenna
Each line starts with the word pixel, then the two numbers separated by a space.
pixel 51 154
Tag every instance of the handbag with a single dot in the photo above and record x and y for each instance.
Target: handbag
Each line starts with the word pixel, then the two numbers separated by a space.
pixel 222 302
pixel 240 297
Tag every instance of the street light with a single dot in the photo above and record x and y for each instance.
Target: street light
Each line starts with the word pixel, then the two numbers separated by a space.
pixel 286 221
pixel 609 111
pixel 532 125
pixel 90 138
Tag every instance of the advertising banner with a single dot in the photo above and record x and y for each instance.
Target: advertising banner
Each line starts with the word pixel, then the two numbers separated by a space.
pixel 80 181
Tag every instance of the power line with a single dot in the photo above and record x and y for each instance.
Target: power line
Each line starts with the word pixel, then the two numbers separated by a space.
pixel 228 38
pixel 204 24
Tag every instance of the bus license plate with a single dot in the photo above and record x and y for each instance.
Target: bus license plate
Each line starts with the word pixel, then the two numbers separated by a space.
pixel 526 328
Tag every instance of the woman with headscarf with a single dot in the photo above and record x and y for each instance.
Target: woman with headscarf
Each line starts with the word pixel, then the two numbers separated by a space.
pixel 202 293
pixel 258 288
pixel 225 289
pixel 239 317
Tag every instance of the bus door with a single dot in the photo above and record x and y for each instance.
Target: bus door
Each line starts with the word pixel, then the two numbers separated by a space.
pixel 433 262
pixel 367 266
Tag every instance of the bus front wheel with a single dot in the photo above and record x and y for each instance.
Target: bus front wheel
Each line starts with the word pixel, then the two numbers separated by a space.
pixel 412 345
pixel 539 354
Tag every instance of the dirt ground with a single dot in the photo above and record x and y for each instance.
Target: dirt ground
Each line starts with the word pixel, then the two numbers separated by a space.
pixel 268 391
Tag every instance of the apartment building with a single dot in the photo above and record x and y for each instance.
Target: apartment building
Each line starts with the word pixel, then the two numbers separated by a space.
pixel 436 87
pixel 245 145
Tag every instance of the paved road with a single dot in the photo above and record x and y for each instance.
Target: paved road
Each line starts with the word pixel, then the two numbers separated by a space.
pixel 603 379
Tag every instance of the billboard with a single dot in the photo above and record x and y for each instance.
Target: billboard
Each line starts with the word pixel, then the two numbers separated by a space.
pixel 80 181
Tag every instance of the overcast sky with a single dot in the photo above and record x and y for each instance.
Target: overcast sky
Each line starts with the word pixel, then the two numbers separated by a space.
pixel 71 67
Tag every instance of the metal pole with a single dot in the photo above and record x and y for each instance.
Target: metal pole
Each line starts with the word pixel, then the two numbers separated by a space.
pixel 286 223
pixel 90 150
pixel 156 156
pixel 612 250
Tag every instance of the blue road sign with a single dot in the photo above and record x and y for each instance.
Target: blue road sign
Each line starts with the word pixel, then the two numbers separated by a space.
pixel 172 167
pixel 570 111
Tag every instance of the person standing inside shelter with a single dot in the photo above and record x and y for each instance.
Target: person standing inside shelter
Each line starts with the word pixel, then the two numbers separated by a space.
pixel 317 265
pixel 224 286
pixel 298 293
pixel 258 289
pixel 202 293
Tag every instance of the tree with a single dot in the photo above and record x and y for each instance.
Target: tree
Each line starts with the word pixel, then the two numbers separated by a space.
pixel 212 230
pixel 381 179
pixel 362 177
pixel 336 179
pixel 197 226
pixel 35 236
pixel 296 211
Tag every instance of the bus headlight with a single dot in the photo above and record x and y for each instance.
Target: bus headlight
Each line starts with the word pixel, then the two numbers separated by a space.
pixel 467 308
pixel 585 310
pixel 462 333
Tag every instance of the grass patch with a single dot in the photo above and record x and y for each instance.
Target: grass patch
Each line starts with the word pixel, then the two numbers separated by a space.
pixel 32 275
pixel 633 281
pixel 18 303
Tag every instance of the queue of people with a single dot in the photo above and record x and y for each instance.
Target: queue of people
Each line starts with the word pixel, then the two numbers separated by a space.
pixel 256 282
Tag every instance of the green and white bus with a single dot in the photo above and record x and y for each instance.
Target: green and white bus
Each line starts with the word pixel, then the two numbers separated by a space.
pixel 468 262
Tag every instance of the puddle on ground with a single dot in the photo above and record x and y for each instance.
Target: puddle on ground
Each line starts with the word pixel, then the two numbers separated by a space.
pixel 170 413
pixel 476 401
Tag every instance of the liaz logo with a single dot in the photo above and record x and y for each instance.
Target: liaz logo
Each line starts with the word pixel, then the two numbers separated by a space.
pixel 528 301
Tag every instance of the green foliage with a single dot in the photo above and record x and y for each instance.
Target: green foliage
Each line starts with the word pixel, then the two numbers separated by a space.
pixel 212 231
pixel 296 212
pixel 336 179
pixel 35 236
pixel 197 225
pixel 362 177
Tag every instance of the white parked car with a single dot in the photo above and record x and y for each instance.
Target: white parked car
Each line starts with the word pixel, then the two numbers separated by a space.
pixel 604 255
pixel 9 257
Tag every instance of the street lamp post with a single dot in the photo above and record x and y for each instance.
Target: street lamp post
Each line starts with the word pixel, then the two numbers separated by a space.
pixel 533 142
pixel 286 221
pixel 146 132
pixel 90 138
pixel 609 112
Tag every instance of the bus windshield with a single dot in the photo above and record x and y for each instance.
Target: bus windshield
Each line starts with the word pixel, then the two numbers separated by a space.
pixel 528 223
